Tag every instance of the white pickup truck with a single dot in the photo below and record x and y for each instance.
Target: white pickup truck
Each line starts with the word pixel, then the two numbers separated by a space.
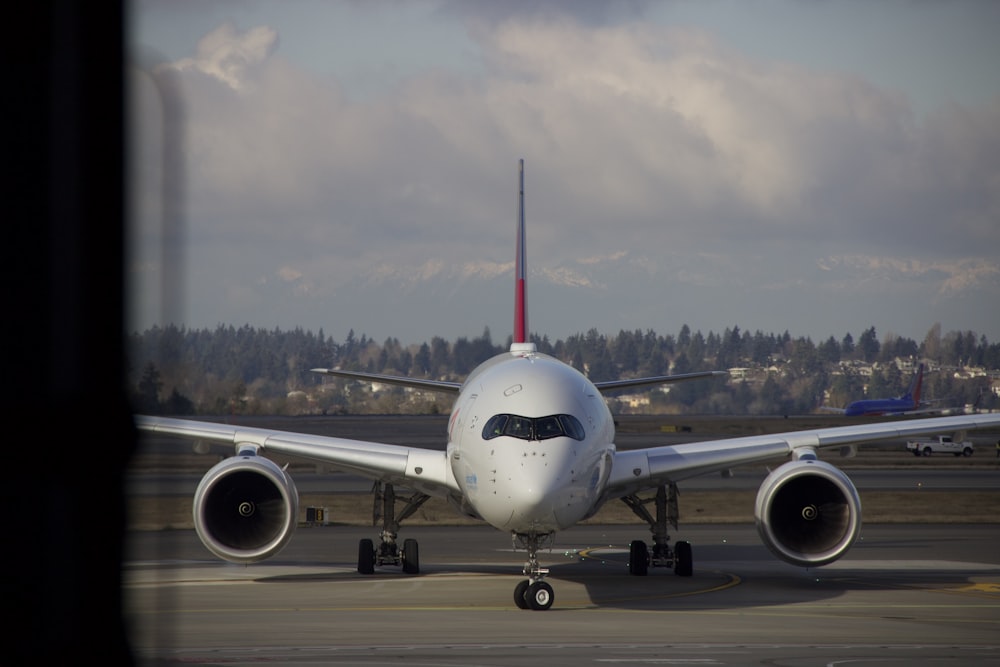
pixel 941 444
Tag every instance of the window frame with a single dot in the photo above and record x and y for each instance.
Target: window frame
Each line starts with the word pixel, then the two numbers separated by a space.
pixel 507 424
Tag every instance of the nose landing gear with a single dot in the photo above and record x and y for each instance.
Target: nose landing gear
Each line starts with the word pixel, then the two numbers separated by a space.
pixel 533 593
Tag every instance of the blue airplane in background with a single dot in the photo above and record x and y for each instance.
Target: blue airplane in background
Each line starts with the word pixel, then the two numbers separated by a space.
pixel 908 403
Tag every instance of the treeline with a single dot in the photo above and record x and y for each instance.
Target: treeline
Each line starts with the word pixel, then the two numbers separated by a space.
pixel 174 370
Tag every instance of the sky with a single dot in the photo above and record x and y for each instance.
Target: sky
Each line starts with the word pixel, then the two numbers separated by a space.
pixel 813 167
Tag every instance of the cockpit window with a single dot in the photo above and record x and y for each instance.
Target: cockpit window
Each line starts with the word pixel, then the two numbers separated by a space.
pixel 518 427
pixel 539 428
pixel 572 427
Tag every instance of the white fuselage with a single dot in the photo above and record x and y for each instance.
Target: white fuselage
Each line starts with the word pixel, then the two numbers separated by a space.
pixel 530 442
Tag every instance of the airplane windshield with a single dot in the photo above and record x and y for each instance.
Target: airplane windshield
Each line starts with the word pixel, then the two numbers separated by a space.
pixel 538 428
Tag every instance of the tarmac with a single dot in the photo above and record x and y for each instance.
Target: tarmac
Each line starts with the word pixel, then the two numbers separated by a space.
pixel 920 595
pixel 914 594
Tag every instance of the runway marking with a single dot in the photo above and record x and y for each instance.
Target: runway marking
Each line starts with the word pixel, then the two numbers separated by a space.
pixel 663 661
pixel 897 565
pixel 990 587
pixel 574 603
pixel 987 589
pixel 800 612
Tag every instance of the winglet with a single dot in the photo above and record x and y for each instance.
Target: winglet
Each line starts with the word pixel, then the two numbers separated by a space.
pixel 520 337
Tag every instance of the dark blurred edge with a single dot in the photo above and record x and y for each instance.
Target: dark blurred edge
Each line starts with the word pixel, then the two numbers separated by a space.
pixel 69 430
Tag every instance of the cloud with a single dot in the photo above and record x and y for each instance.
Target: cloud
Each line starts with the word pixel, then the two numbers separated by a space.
pixel 568 277
pixel 599 259
pixel 229 56
pixel 659 149
pixel 288 274
pixel 659 131
pixel 944 277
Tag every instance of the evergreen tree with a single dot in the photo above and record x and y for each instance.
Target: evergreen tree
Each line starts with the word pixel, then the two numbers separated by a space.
pixel 868 345
pixel 147 399
pixel 847 346
pixel 829 351
pixel 252 370
pixel 177 404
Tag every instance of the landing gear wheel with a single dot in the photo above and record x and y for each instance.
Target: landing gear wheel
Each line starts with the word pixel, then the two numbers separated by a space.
pixel 411 557
pixel 521 594
pixel 683 560
pixel 540 596
pixel 638 558
pixel 366 557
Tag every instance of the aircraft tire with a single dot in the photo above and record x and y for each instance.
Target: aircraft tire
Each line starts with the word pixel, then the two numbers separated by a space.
pixel 521 594
pixel 366 557
pixel 683 560
pixel 638 558
pixel 411 557
pixel 540 596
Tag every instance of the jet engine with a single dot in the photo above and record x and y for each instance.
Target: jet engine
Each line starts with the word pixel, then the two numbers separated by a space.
pixel 808 512
pixel 246 509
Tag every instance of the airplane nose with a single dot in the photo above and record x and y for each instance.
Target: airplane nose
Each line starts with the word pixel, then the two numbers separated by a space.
pixel 533 506
pixel 535 490
pixel 533 495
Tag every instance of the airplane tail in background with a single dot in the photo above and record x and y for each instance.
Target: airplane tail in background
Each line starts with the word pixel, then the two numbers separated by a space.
pixel 916 387
pixel 520 334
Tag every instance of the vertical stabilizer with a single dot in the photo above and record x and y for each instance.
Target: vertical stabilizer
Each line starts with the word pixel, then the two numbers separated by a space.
pixel 520 268
pixel 916 385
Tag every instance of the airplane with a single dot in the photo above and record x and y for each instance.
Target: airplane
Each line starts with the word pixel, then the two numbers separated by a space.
pixel 907 404
pixel 531 451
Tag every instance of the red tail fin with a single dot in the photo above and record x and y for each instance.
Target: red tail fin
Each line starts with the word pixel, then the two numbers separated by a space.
pixel 520 268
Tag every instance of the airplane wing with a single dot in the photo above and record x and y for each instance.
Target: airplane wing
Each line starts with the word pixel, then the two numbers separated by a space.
pixel 635 470
pixel 657 379
pixel 454 387
pixel 416 383
pixel 423 469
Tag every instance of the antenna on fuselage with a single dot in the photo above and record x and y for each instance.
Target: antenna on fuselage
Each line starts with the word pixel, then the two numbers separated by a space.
pixel 520 338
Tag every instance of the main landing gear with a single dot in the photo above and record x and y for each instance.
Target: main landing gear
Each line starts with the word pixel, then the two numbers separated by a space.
pixel 388 552
pixel 640 558
pixel 534 592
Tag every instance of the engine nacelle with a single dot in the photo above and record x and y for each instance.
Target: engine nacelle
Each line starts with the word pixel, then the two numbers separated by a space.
pixel 246 509
pixel 808 513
